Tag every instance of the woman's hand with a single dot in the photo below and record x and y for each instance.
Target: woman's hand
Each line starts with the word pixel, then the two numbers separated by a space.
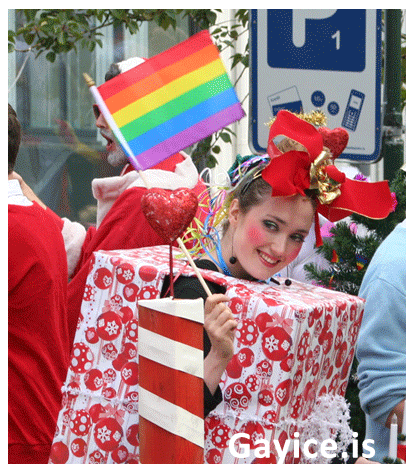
pixel 219 324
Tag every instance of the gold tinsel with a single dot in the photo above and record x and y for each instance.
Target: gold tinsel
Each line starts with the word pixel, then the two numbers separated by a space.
pixel 316 118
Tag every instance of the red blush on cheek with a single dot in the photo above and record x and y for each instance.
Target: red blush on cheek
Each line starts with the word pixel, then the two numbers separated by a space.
pixel 293 255
pixel 256 235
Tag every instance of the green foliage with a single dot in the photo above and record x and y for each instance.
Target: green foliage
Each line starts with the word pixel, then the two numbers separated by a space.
pixel 396 461
pixel 60 31
pixel 203 154
pixel 344 275
pixel 357 417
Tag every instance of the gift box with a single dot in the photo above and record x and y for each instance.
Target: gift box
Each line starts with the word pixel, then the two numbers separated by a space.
pixel 294 347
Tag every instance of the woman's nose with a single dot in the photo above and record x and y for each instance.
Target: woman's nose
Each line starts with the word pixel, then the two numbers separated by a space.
pixel 279 246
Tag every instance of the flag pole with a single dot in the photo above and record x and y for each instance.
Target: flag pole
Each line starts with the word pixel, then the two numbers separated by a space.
pixel 111 122
pixel 107 114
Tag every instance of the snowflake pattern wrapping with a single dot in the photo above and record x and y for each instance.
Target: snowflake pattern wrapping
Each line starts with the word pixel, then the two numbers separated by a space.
pixel 293 348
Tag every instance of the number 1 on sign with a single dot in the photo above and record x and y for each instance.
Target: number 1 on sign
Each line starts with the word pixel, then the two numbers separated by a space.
pixel 337 37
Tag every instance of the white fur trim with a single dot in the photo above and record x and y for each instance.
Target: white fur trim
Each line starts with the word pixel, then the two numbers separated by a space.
pixel 185 175
pixel 106 190
pixel 73 236
pixel 130 63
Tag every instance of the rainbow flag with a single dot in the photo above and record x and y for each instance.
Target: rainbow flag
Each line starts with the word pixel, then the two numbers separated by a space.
pixel 360 262
pixel 335 258
pixel 172 100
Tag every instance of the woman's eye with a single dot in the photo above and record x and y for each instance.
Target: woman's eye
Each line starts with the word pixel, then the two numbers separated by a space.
pixel 270 225
pixel 298 238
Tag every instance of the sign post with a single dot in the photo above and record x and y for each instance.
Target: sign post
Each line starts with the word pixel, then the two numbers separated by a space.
pixel 328 60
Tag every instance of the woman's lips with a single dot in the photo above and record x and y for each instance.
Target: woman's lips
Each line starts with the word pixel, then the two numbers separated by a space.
pixel 267 260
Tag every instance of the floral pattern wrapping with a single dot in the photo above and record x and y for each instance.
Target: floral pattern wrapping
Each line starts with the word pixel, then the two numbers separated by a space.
pixel 294 346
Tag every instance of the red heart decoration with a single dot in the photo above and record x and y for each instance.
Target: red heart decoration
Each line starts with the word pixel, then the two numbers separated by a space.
pixel 169 212
pixel 335 140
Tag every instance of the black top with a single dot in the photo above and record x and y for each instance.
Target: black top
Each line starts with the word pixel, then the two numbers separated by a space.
pixel 190 288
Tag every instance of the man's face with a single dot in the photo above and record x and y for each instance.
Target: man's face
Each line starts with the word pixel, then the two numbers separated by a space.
pixel 116 155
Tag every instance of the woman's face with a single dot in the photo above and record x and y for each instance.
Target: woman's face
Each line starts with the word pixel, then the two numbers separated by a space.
pixel 269 236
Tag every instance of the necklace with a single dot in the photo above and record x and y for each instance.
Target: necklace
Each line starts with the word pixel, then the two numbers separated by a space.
pixel 220 263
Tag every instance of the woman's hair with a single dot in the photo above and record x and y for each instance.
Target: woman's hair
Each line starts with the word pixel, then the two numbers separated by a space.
pixel 250 191
pixel 245 184
pixel 254 191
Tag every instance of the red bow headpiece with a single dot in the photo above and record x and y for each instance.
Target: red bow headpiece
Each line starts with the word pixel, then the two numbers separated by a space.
pixel 293 172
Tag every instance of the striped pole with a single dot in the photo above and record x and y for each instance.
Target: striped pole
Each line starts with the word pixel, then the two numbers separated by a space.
pixel 171 392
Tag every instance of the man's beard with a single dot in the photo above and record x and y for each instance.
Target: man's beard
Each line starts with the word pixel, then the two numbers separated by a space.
pixel 116 155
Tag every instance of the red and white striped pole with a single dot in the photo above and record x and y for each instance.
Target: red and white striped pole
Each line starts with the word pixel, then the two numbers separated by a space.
pixel 171 392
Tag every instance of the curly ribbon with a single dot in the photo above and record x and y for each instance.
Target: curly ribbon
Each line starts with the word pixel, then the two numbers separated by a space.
pixel 295 171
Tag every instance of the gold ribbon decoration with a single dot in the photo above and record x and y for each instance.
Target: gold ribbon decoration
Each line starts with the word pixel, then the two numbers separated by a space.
pixel 328 188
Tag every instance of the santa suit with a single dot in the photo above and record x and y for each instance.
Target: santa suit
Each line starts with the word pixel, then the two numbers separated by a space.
pixel 38 340
pixel 120 221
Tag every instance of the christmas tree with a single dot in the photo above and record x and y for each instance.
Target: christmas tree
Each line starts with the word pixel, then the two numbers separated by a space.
pixel 349 247
pixel 351 244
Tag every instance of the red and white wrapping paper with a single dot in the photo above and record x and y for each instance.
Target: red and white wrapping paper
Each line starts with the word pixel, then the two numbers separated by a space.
pixel 294 348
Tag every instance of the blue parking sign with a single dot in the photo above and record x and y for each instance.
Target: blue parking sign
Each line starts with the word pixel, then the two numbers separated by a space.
pixel 327 60
pixel 330 40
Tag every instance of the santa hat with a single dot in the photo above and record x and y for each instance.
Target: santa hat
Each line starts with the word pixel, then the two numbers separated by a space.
pixel 130 63
pixel 123 66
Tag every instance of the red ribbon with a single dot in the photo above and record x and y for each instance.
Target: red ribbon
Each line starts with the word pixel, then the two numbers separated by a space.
pixel 289 174
pixel 280 321
pixel 111 411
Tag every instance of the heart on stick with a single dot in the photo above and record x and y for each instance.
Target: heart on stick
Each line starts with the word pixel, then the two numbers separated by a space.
pixel 169 212
pixel 335 140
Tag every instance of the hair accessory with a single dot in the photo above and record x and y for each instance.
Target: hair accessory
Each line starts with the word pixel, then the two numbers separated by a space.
pixel 245 165
pixel 294 172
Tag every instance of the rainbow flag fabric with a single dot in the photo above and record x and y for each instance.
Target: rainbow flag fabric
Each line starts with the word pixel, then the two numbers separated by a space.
pixel 172 100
